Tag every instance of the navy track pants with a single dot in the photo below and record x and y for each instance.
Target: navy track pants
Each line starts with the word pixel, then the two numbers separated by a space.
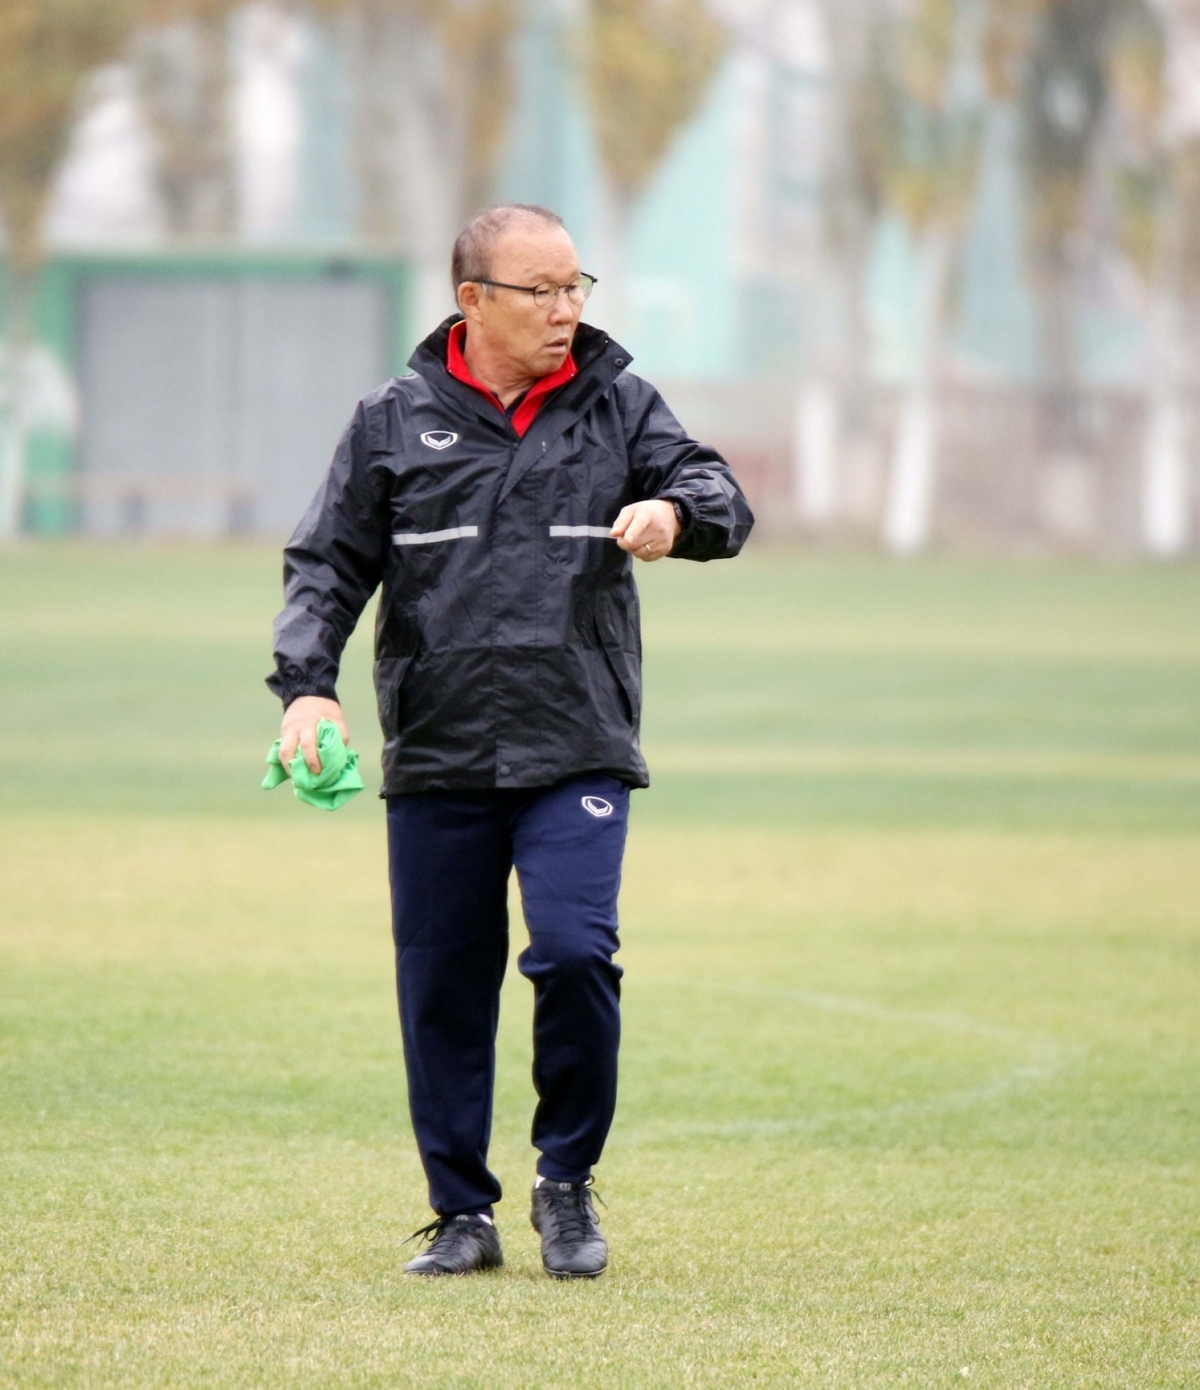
pixel 450 855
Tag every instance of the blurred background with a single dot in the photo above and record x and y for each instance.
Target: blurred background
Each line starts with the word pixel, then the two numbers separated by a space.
pixel 909 915
pixel 926 270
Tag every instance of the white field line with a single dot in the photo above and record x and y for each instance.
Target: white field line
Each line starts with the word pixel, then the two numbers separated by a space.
pixel 1045 1060
pixel 997 1088
pixel 847 1004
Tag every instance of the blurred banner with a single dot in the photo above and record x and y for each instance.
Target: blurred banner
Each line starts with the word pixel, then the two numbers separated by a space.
pixel 926 270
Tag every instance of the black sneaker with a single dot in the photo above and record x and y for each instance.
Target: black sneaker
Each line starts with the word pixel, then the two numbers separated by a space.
pixel 566 1220
pixel 457 1245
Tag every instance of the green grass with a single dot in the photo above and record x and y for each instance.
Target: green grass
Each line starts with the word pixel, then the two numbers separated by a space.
pixel 911 1075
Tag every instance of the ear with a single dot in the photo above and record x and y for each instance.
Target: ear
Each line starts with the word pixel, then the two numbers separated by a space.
pixel 469 296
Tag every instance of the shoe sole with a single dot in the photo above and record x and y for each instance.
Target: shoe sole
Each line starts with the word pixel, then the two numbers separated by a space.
pixel 453 1273
pixel 574 1273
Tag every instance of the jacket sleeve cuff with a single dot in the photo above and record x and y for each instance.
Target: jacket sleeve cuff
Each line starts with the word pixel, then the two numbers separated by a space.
pixel 682 512
pixel 291 690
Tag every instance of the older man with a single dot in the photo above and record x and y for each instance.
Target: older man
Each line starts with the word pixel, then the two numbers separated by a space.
pixel 498 496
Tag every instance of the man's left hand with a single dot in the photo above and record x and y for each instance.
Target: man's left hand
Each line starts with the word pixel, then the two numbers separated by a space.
pixel 647 529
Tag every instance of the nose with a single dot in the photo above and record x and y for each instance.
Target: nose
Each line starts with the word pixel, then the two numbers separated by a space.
pixel 563 311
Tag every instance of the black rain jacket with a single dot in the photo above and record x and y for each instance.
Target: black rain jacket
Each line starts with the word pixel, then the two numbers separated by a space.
pixel 508 650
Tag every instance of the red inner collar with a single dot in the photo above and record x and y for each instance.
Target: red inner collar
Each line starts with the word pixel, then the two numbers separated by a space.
pixel 535 397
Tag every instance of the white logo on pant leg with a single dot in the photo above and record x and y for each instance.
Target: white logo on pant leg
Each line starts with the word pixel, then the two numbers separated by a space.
pixel 439 439
pixel 597 806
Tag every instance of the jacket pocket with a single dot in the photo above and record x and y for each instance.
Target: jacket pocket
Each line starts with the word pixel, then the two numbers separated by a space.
pixel 624 669
pixel 389 677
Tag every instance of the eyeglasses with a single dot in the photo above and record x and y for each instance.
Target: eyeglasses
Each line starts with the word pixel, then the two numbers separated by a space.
pixel 546 294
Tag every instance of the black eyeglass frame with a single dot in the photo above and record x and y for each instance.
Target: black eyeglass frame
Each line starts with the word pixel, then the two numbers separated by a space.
pixel 584 278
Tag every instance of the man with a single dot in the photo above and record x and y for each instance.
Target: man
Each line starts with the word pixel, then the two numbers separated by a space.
pixel 498 496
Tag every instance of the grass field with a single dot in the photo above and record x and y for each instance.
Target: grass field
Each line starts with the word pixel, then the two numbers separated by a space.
pixel 911 1076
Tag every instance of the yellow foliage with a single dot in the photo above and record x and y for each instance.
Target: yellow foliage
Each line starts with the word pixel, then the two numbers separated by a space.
pixel 180 11
pixel 928 51
pixel 1006 38
pixel 1138 212
pixel 1137 78
pixel 649 63
pixel 1185 188
pixel 478 37
pixel 47 48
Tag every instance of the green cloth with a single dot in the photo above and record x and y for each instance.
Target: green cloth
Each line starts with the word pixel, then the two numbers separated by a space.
pixel 338 780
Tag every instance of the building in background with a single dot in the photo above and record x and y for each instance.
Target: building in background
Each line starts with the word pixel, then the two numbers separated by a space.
pixel 201 394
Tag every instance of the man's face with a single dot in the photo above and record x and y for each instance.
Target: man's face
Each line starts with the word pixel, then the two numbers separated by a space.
pixel 533 341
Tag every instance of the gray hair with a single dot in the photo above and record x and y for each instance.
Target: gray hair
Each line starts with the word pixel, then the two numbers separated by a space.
pixel 473 247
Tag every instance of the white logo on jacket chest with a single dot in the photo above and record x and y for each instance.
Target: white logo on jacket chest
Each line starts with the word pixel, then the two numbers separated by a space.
pixel 439 439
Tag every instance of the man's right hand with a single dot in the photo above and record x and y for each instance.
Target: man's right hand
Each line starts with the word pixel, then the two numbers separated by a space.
pixel 299 730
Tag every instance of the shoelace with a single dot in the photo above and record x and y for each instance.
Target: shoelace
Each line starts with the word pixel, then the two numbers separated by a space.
pixel 573 1212
pixel 445 1231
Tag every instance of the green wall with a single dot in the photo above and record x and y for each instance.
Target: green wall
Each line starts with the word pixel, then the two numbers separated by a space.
pixel 51 454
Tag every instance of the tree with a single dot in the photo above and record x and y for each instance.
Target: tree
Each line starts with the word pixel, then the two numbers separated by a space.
pixel 181 63
pixel 864 108
pixel 1053 57
pixel 648 65
pixel 835 410
pixel 454 58
pixel 930 162
pixel 47 49
pixel 1160 203
pixel 1093 99
pixel 479 38
pixel 1064 99
pixel 431 89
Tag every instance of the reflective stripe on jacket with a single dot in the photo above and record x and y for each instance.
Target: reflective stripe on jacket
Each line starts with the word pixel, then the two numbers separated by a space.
pixel 508 650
